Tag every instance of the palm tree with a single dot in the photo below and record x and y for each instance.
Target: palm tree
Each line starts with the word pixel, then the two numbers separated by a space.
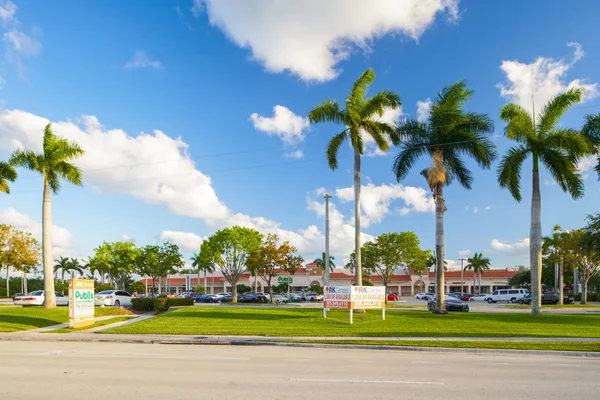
pixel 74 266
pixel 558 149
pixel 197 263
pixel 321 262
pixel 7 174
pixel 449 133
pixel 591 130
pixel 62 264
pixel 53 164
pixel 361 117
pixel 479 264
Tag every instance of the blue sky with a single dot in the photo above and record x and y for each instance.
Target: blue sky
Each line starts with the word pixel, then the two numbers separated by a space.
pixel 110 74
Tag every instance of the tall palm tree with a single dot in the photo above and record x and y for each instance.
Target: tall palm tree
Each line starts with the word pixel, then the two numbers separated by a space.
pixel 479 264
pixel 53 164
pixel 361 119
pixel 74 266
pixel 7 174
pixel 591 130
pixel 321 262
pixel 556 148
pixel 197 263
pixel 62 265
pixel 449 133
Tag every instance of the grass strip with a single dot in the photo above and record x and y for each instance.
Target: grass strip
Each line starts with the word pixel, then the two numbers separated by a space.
pixel 95 325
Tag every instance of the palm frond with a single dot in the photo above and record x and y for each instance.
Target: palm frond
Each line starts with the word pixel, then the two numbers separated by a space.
pixel 570 141
pixel 333 147
pixel 48 137
pixel 63 150
pixel 360 87
pixel 519 125
pixel 452 97
pixel 53 181
pixel 27 159
pixel 378 131
pixel 412 148
pixel 456 169
pixel 557 107
pixel 563 169
pixel 327 111
pixel 411 128
pixel 69 172
pixel 377 104
pixel 7 174
pixel 509 170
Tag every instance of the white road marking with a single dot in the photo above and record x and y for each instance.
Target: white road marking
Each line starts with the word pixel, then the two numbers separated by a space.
pixel 565 365
pixel 364 381
pixel 425 362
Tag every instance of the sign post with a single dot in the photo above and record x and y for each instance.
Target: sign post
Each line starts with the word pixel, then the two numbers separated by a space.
pixel 354 297
pixel 81 302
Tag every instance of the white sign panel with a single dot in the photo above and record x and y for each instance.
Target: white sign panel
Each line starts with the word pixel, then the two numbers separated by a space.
pixel 337 297
pixel 81 302
pixel 353 297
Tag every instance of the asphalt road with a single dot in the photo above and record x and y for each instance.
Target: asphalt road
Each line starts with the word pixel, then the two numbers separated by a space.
pixel 35 370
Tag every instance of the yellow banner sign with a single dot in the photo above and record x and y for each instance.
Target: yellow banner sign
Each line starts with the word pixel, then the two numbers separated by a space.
pixel 81 303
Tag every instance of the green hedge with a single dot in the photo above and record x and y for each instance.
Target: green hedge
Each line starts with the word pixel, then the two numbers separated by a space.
pixel 577 297
pixel 592 297
pixel 159 304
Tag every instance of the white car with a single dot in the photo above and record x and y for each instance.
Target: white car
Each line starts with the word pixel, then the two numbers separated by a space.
pixel 115 298
pixel 424 296
pixel 36 298
pixel 479 297
pixel 279 299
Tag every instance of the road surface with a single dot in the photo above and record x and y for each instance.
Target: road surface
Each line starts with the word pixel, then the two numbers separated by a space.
pixel 65 371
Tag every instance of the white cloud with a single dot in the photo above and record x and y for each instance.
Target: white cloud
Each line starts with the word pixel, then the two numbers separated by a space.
pixel 544 79
pixel 22 43
pixel 514 249
pixel 375 201
pixel 296 154
pixel 62 240
pixel 475 210
pixel 187 241
pixel 284 124
pixel 585 164
pixel 8 10
pixel 157 169
pixel 423 110
pixel 127 238
pixel 452 265
pixel 141 60
pixel 487 208
pixel 464 253
pixel 310 38
pixel 392 117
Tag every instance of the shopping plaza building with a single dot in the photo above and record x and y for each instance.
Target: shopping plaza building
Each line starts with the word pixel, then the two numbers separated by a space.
pixel 402 282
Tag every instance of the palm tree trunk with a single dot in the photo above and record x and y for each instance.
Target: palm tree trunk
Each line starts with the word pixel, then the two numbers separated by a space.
pixel 535 240
pixel 357 266
pixel 584 289
pixel 49 297
pixel 480 281
pixel 205 289
pixel 439 250
pixel 475 282
pixel 560 283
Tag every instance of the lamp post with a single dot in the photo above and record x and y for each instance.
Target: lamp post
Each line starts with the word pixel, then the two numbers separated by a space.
pixel 326 279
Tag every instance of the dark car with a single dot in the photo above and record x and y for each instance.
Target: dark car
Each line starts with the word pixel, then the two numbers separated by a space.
pixel 452 304
pixel 253 298
pixel 204 298
pixel 547 298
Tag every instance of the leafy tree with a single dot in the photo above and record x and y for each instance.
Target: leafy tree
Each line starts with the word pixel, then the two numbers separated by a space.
pixel 557 249
pixel 53 164
pixel 241 288
pixel 228 250
pixel 558 149
pixel 197 263
pixel 520 279
pixel 136 287
pixel 18 250
pixel 479 264
pixel 321 262
pixel 272 258
pixel 200 289
pixel 588 258
pixel 361 117
pixel 7 174
pixel 316 288
pixel 367 264
pixel 419 264
pixel 159 261
pixel 62 265
pixel 119 259
pixel 281 288
pixel 449 134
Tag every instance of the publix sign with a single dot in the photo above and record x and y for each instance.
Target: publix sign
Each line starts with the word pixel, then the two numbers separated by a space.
pixel 81 302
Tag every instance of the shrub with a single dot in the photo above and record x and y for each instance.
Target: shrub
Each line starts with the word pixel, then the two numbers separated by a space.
pixel 577 297
pixel 136 287
pixel 102 287
pixel 159 304
pixel 199 289
pixel 142 304
pixel 241 289
pixel 592 297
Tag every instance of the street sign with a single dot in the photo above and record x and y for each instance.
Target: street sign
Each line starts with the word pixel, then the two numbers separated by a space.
pixel 188 283
pixel 354 297
pixel 81 302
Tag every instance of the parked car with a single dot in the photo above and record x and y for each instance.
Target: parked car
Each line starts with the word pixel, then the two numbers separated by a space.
pixel 393 297
pixel 547 298
pixel 452 304
pixel 424 296
pixel 279 299
pixel 204 298
pixel 456 296
pixel 115 298
pixel 267 295
pixel 224 297
pixel 310 297
pixel 253 298
pixel 508 295
pixel 36 298
pixel 293 297
pixel 479 297
pixel 466 296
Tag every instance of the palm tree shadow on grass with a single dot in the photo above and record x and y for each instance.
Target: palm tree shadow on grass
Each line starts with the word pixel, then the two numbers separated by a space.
pixel 26 321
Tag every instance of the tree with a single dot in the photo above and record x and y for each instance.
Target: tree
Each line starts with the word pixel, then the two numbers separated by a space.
pixel 361 117
pixel 520 279
pixel 62 265
pixel 137 287
pixel 118 259
pixel 479 264
pixel 53 164
pixel 558 149
pixel 591 130
pixel 449 133
pixel 159 261
pixel 418 265
pixel 272 258
pixel 197 263
pixel 74 266
pixel 7 174
pixel 228 250
pixel 558 250
pixel 321 262
pixel 588 258
pixel 18 250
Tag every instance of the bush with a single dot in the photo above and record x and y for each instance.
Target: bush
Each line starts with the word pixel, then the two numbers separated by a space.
pixel 102 287
pixel 199 289
pixel 577 297
pixel 159 304
pixel 241 289
pixel 136 287
pixel 592 297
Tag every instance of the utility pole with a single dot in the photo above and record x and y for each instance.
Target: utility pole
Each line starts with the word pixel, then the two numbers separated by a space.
pixel 462 281
pixel 326 279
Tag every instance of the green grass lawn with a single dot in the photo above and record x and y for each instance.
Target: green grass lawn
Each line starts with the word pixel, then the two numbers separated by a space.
pixel 310 322
pixel 13 319
pixel 462 344
pixel 95 325
pixel 564 306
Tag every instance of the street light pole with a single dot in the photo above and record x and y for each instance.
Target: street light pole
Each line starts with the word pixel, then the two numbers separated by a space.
pixel 326 280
